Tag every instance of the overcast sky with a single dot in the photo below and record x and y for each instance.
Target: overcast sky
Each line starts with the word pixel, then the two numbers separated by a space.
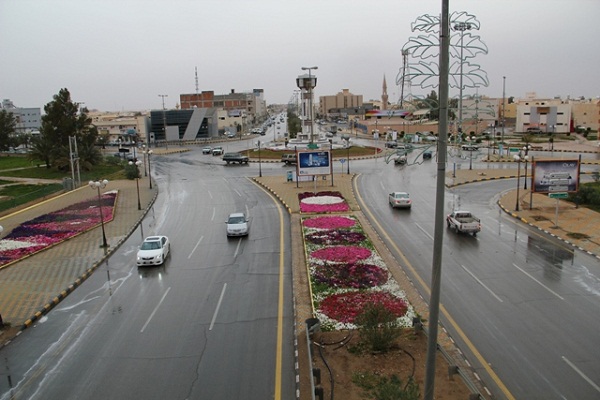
pixel 118 55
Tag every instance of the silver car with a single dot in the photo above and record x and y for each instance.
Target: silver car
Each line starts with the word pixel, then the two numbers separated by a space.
pixel 399 200
pixel 237 225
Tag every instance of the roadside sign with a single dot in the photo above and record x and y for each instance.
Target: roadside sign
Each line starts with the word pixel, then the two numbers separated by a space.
pixel 558 195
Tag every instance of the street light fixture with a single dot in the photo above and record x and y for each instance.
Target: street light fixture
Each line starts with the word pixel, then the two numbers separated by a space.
pixel 461 27
pixel 100 185
pixel 526 158
pixel 137 180
pixel 471 139
pixel 149 152
pixel 518 160
pixel 259 161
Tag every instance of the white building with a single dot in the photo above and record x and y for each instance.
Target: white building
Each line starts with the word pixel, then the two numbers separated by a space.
pixel 29 120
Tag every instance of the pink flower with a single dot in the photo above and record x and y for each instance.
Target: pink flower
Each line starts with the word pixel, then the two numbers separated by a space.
pixel 345 254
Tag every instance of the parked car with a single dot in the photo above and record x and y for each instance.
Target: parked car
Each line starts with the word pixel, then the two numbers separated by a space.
pixel 237 225
pixel 469 147
pixel 153 251
pixel 206 150
pixel 399 200
pixel 217 151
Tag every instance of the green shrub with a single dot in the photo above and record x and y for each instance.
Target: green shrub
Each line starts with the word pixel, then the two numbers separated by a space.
pixel 378 327
pixel 384 388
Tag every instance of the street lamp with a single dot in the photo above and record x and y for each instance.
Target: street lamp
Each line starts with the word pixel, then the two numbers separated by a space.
pixel 461 27
pixel 100 185
pixel 518 160
pixel 164 119
pixel 471 139
pixel 348 155
pixel 137 180
pixel 149 152
pixel 526 150
pixel 144 153
pixel 259 162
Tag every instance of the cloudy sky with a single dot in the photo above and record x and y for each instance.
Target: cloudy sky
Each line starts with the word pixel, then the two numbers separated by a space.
pixel 116 55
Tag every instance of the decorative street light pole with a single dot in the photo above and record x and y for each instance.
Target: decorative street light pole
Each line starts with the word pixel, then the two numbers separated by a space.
pixel 461 27
pixel 144 152
pixel 259 163
pixel 518 160
pixel 471 138
pixel 526 158
pixel 149 170
pixel 137 180
pixel 100 185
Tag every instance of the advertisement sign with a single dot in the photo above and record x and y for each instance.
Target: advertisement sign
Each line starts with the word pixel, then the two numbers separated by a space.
pixel 313 163
pixel 550 176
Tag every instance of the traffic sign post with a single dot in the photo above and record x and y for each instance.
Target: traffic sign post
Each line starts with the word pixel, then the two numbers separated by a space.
pixel 557 196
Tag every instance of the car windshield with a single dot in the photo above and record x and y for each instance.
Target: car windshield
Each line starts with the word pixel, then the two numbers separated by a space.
pixel 236 220
pixel 150 246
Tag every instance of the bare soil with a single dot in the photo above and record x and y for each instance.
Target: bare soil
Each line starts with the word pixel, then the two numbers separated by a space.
pixel 408 358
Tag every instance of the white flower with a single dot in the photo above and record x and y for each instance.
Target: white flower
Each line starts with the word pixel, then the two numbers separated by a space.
pixel 323 200
pixel 7 244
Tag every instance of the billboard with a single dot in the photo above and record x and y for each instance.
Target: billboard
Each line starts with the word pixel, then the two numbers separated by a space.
pixel 314 163
pixel 552 176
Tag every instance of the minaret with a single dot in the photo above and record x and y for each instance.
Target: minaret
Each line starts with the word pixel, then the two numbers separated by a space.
pixel 384 95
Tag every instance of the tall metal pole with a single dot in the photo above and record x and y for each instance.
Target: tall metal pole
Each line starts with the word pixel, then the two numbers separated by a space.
pixel 259 161
pixel 503 110
pixel 518 183
pixel 164 118
pixel 434 303
pixel 461 27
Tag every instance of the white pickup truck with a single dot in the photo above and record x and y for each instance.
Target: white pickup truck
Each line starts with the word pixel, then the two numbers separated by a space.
pixel 463 221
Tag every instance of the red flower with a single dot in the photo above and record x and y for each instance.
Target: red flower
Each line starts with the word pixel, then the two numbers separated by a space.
pixel 345 307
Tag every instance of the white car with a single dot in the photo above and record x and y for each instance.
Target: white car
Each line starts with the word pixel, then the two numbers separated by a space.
pixel 217 151
pixel 399 200
pixel 237 225
pixel 207 150
pixel 153 251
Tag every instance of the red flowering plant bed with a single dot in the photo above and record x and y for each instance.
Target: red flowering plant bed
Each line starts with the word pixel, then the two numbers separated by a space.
pixel 346 273
pixel 322 202
pixel 49 229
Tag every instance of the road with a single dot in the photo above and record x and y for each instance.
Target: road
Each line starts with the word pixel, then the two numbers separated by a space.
pixel 215 322
pixel 517 302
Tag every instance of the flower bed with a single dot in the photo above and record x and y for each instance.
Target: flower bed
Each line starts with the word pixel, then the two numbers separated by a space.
pixel 346 273
pixel 322 202
pixel 49 229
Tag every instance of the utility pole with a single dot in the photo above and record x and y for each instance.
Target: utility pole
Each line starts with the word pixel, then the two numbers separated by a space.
pixel 164 117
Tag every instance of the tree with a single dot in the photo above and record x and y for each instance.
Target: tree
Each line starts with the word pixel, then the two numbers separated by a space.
pixel 8 127
pixel 62 120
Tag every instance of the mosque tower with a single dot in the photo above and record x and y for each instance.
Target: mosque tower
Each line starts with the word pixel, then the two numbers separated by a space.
pixel 384 95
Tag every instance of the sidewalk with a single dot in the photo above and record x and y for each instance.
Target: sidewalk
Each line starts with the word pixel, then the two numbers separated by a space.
pixel 31 287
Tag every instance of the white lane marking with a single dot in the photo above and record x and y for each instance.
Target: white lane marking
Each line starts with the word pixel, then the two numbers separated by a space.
pixel 540 283
pixel 195 247
pixel 424 231
pixel 238 193
pixel 212 217
pixel 482 284
pixel 237 248
pixel 584 376
pixel 155 309
pixel 212 322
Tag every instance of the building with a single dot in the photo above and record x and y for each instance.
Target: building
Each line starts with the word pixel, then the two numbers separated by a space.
pixel 28 120
pixel 546 115
pixel 122 127
pixel 344 104
pixel 252 104
pixel 585 114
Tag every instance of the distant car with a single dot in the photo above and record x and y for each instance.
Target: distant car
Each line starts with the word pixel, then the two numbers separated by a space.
pixel 153 251
pixel 469 147
pixel 391 144
pixel 399 200
pixel 289 158
pixel 401 159
pixel 231 135
pixel 427 154
pixel 217 151
pixel 207 150
pixel 237 225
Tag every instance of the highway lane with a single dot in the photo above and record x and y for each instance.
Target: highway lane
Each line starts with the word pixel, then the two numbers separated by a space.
pixel 524 301
pixel 211 323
